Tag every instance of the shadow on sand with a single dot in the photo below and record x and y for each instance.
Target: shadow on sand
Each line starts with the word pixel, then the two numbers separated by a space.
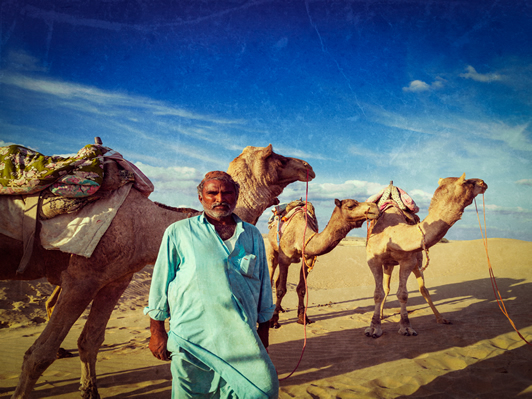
pixel 338 352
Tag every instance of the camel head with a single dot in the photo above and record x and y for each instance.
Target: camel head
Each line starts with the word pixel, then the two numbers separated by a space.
pixel 264 170
pixel 355 212
pixel 458 190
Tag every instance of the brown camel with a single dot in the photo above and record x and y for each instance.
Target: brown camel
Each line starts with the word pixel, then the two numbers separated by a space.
pixel 347 215
pixel 131 242
pixel 394 242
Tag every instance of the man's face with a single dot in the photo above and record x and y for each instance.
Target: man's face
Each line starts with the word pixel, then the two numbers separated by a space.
pixel 218 199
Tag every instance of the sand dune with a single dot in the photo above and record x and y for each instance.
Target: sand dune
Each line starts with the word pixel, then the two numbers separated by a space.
pixel 479 355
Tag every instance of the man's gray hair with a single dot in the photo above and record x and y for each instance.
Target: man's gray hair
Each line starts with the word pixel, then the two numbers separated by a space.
pixel 218 175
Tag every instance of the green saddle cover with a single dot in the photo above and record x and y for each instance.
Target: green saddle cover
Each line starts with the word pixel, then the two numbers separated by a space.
pixel 24 171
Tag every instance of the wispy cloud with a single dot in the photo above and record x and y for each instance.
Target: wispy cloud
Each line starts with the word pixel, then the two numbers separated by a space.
pixel 98 100
pixel 359 190
pixel 479 77
pixel 503 210
pixel 22 61
pixel 524 182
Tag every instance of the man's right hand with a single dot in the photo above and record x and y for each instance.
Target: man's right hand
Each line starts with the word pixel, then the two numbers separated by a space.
pixel 158 340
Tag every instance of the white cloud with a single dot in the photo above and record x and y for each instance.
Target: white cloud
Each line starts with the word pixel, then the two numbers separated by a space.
pixel 479 77
pixel 174 185
pixel 319 192
pixel 417 86
pixel 169 173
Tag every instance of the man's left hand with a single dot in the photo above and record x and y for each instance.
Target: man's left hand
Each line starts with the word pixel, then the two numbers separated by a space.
pixel 264 331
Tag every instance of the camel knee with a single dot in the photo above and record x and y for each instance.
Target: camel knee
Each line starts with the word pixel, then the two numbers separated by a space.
pixel 402 296
pixel 37 361
pixel 88 346
pixel 379 296
pixel 280 292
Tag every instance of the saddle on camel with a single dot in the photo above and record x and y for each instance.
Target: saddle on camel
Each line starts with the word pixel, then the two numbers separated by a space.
pixel 392 196
pixel 64 194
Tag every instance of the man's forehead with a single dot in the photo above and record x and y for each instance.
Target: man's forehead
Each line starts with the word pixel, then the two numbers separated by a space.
pixel 215 184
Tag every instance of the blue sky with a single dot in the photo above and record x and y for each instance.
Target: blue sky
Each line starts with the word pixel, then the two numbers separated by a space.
pixel 365 91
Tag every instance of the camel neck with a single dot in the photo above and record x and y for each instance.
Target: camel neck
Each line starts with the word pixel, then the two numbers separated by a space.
pixel 441 217
pixel 324 242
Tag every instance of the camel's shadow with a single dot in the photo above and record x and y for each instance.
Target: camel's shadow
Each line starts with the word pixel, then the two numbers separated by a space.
pixel 336 349
pixel 160 389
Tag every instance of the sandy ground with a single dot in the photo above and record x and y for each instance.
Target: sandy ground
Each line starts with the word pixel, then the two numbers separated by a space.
pixel 479 355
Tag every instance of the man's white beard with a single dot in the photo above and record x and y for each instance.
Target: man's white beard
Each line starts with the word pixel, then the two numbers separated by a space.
pixel 217 214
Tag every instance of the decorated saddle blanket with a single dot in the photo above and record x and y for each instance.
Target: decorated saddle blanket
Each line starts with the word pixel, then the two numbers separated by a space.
pixel 397 195
pixel 392 196
pixel 24 171
pixel 60 189
pixel 283 214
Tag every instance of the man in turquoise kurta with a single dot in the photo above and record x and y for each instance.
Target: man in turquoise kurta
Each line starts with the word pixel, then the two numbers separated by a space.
pixel 211 279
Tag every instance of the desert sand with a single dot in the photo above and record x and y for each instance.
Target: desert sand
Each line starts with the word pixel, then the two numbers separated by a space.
pixel 479 355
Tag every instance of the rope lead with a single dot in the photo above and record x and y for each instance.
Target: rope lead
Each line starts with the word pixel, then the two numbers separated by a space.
pixel 496 291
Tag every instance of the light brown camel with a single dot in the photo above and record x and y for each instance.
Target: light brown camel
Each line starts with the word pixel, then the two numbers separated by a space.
pixel 394 242
pixel 131 242
pixel 347 215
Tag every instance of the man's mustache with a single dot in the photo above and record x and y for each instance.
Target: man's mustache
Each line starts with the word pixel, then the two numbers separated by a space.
pixel 215 204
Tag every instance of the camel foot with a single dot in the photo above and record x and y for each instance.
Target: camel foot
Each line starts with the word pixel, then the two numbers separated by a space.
pixel 373 332
pixel 441 320
pixel 407 331
pixel 89 391
pixel 301 320
pixel 274 322
pixel 63 353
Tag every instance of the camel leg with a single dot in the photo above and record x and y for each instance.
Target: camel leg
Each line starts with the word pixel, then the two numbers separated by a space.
pixel 425 292
pixel 93 333
pixel 280 291
pixel 271 257
pixel 301 291
pixel 75 297
pixel 374 330
pixel 402 294
pixel 388 269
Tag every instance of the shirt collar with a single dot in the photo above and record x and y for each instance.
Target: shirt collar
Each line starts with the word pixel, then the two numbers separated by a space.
pixel 235 217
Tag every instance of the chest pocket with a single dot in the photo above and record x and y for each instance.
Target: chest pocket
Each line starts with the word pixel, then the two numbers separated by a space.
pixel 246 265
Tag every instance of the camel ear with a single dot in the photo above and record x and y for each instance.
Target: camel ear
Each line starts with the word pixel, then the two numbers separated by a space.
pixel 338 203
pixel 440 181
pixel 268 151
pixel 461 179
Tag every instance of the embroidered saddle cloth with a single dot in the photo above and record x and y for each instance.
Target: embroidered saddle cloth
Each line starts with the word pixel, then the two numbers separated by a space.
pixel 399 196
pixel 394 196
pixel 286 211
pixel 38 187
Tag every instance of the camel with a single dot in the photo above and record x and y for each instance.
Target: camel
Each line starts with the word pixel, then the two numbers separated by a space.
pixel 300 236
pixel 131 242
pixel 260 187
pixel 394 242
